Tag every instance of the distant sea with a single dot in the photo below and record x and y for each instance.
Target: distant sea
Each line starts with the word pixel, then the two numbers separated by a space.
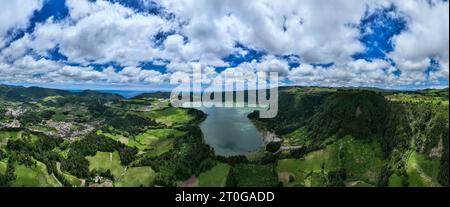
pixel 124 93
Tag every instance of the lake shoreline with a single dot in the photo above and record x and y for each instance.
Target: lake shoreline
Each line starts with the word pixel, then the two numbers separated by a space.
pixel 230 132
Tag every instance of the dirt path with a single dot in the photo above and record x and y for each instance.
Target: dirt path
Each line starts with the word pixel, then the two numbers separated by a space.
pixel 125 171
pixel 422 174
pixel 284 148
pixel 191 182
pixel 60 184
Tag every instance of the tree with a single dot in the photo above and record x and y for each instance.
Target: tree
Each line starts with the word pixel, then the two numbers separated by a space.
pixel 336 178
pixel 47 114
pixel 76 164
pixel 273 146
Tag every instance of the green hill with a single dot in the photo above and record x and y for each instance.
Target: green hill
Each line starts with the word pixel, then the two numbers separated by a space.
pixel 395 123
pixel 20 93
pixel 361 114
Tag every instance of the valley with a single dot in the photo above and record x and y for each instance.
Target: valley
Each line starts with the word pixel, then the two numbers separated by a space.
pixel 321 137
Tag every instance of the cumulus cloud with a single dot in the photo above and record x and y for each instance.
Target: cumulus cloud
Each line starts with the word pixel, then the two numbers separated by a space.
pixel 110 33
pixel 31 70
pixel 352 73
pixel 426 38
pixel 277 27
pixel 95 32
pixel 309 33
pixel 15 15
pixel 272 64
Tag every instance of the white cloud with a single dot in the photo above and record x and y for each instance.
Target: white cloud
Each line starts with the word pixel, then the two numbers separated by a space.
pixel 272 64
pixel 96 32
pixel 277 27
pixel 134 74
pixel 15 15
pixel 427 36
pixel 206 31
pixel 28 69
pixel 355 73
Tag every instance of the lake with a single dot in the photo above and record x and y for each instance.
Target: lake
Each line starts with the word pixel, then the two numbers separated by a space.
pixel 229 131
pixel 226 129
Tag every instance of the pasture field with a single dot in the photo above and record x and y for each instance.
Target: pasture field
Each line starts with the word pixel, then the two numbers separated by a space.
pixel 152 135
pixel 136 177
pixel 74 181
pixel 5 135
pixel 35 176
pixel 103 161
pixel 170 116
pixel 116 137
pixel 416 98
pixel 156 141
pixel 297 137
pixel 3 166
pixel 216 177
pixel 421 171
pixel 361 161
pixel 395 181
pixel 153 141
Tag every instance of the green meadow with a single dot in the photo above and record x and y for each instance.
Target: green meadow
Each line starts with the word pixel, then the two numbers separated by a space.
pixel 216 177
pixel 297 137
pixel 361 161
pixel 154 141
pixel 395 181
pixel 3 166
pixel 35 176
pixel 125 177
pixel 103 161
pixel 170 116
pixel 74 181
pixel 136 177
pixel 422 172
pixel 5 135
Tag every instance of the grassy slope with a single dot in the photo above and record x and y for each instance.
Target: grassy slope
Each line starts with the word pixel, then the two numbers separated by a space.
pixel 297 137
pixel 152 135
pixel 395 181
pixel 3 166
pixel 307 171
pixel 169 116
pixel 137 176
pixel 103 161
pixel 155 141
pixel 360 160
pixel 74 181
pixel 216 177
pixel 4 135
pixel 33 177
pixel 421 171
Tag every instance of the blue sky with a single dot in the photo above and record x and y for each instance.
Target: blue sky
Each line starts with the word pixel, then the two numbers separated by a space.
pixel 140 44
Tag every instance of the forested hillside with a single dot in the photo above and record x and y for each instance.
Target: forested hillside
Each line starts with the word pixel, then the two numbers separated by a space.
pixel 406 132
